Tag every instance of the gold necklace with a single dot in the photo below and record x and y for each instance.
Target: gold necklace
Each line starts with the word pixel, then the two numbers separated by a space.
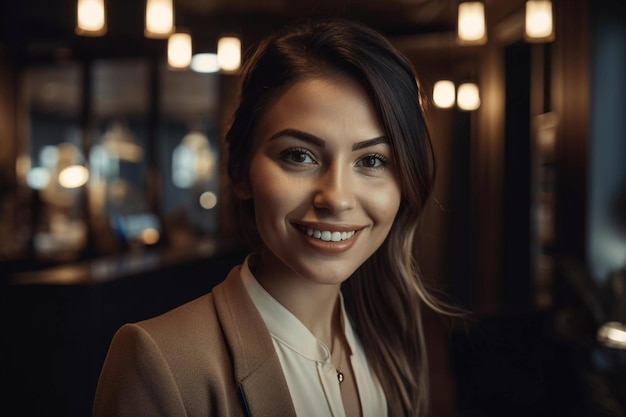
pixel 340 375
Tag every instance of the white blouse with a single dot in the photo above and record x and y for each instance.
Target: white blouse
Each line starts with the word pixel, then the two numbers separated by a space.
pixel 305 360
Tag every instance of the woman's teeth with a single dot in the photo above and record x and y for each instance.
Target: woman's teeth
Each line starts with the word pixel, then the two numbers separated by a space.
pixel 328 236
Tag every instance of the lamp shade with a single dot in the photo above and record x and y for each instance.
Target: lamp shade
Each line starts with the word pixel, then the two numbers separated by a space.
pixel 179 50
pixel 444 94
pixel 471 27
pixel 468 97
pixel 539 26
pixel 90 18
pixel 159 19
pixel 229 53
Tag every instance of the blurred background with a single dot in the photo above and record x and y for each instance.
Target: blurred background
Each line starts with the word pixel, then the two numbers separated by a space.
pixel 114 208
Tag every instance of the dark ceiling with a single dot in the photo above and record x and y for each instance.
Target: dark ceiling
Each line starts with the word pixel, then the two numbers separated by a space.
pixel 36 32
pixel 37 28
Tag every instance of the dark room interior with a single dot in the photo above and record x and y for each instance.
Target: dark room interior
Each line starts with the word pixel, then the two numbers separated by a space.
pixel 526 231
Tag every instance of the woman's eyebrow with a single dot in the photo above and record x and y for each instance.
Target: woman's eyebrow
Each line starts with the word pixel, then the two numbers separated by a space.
pixel 298 134
pixel 321 143
pixel 368 143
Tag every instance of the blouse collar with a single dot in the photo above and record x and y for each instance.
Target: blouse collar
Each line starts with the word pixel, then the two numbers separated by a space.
pixel 285 327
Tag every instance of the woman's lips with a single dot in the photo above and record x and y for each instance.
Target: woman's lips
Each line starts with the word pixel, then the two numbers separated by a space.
pixel 327 235
pixel 332 239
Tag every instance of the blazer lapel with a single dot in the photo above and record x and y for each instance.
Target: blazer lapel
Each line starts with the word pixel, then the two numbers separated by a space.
pixel 256 365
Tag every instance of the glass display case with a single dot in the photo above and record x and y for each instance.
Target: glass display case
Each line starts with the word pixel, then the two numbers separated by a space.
pixel 51 166
pixel 115 154
pixel 189 153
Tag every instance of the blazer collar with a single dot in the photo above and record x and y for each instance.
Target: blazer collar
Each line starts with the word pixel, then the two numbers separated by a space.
pixel 257 369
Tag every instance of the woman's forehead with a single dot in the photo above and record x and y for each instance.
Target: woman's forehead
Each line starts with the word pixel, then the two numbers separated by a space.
pixel 323 106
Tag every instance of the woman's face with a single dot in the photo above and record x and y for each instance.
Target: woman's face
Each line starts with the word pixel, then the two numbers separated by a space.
pixel 323 181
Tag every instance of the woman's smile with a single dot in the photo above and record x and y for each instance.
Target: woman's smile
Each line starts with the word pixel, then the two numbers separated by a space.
pixel 328 233
pixel 328 239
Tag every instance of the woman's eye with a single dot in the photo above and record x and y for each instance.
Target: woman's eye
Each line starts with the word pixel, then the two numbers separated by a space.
pixel 297 156
pixel 373 161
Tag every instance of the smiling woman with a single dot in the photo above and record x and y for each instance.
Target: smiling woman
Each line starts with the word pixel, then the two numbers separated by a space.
pixel 309 173
pixel 330 158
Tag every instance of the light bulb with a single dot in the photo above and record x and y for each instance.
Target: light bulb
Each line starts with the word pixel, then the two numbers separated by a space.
pixel 179 50
pixel 229 53
pixel 539 25
pixel 444 94
pixel 159 18
pixel 90 18
pixel 468 97
pixel 471 22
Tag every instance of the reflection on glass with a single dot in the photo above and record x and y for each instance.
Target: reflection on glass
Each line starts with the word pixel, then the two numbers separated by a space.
pixel 52 165
pixel 119 170
pixel 73 176
pixel 70 195
pixel 189 154
pixel 208 200
pixel 193 160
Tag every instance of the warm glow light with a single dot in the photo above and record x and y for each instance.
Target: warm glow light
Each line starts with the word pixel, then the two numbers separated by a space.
pixel 229 53
pixel 468 97
pixel 159 18
pixel 208 200
pixel 90 18
pixel 179 50
pixel 443 94
pixel 539 20
pixel 205 63
pixel 471 22
pixel 73 176
pixel 119 143
pixel 613 334
pixel 149 236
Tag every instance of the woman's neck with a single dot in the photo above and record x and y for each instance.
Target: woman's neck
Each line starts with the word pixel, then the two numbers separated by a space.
pixel 315 305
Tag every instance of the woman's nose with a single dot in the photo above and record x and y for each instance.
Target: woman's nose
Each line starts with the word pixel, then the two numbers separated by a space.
pixel 335 190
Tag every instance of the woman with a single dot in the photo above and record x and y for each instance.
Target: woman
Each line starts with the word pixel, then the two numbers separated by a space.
pixel 331 161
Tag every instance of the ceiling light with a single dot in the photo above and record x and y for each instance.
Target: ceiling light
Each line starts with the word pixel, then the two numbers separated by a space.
pixel 159 19
pixel 90 18
pixel 179 50
pixel 471 28
pixel 229 53
pixel 443 94
pixel 205 63
pixel 539 25
pixel 468 97
pixel 73 176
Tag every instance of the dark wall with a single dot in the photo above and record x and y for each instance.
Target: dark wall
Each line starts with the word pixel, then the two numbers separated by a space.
pixel 57 336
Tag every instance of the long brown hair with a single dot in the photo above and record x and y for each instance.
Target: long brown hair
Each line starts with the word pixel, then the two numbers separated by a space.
pixel 384 297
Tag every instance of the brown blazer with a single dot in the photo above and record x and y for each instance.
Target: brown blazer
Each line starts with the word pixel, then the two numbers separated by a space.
pixel 211 357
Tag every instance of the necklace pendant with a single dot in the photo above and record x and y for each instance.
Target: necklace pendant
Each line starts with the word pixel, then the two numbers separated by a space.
pixel 340 376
